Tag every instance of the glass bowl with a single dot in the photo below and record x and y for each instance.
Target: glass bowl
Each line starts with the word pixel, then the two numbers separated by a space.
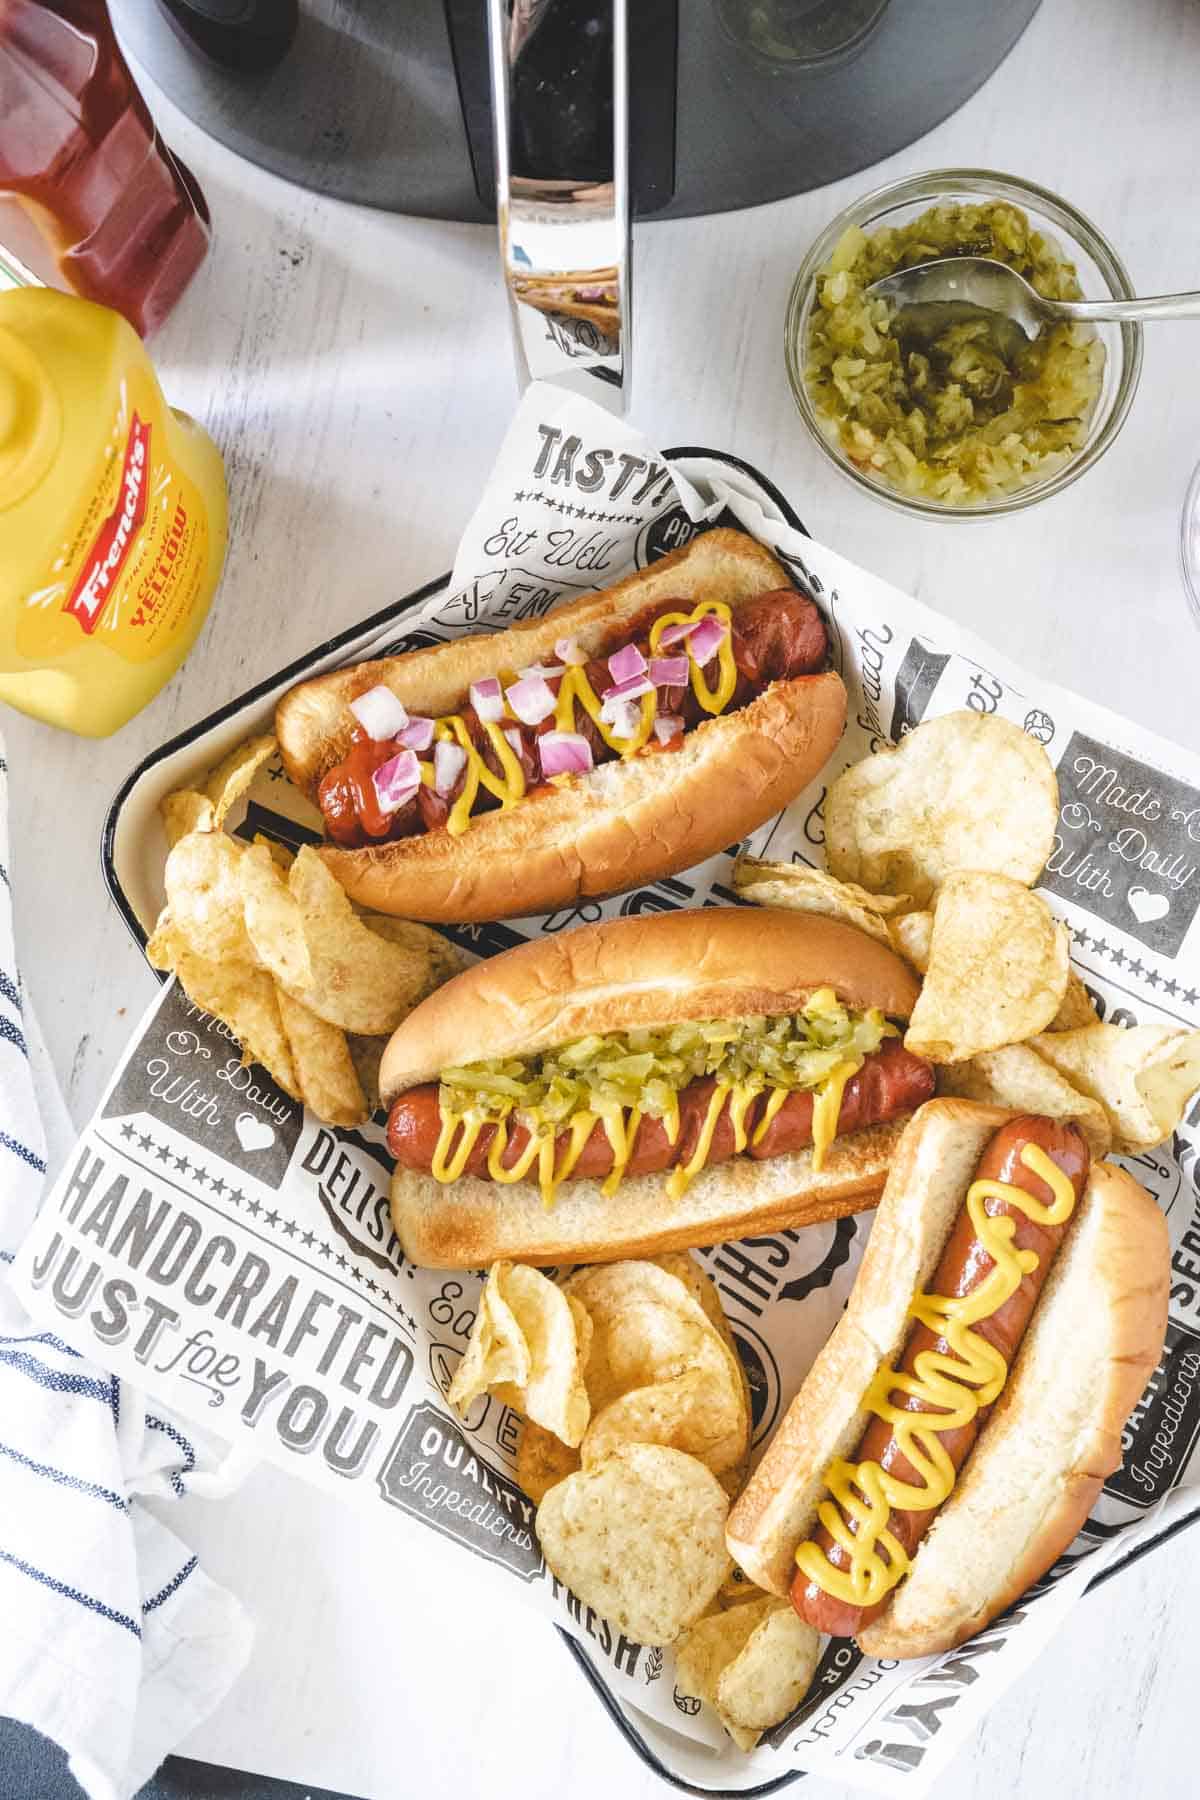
pixel 1101 273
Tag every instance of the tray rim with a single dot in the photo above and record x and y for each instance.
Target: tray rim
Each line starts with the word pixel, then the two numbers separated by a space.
pixel 294 670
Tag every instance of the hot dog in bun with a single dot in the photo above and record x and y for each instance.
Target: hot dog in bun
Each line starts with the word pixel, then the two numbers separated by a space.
pixel 626 736
pixel 649 1084
pixel 957 1428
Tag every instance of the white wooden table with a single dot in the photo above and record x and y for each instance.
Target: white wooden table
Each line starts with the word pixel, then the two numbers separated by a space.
pixel 355 369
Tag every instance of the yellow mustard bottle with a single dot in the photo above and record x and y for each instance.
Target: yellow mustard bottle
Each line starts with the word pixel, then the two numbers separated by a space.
pixel 113 515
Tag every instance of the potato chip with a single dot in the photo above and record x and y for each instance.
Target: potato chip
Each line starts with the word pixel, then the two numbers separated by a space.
pixel 442 958
pixel 361 980
pixel 1142 1075
pixel 542 1460
pixel 965 791
pixel 753 1665
pixel 770 1675
pixel 690 1413
pixel 247 1000
pixel 737 1589
pixel 233 775
pixel 274 921
pixel 797 888
pixel 997 970
pixel 1077 1009
pixel 1017 1077
pixel 648 1330
pixel 709 1647
pixel 910 936
pixel 204 897
pixel 528 1347
pixel 640 1537
pixel 280 854
pixel 186 811
pixel 325 1073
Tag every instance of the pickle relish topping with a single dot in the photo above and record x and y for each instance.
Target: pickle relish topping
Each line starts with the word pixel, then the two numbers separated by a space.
pixel 646 1068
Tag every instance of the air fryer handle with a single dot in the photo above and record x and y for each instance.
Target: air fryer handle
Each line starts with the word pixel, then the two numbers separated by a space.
pixel 562 188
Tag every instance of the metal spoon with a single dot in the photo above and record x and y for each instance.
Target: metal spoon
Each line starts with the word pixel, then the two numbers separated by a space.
pixel 933 295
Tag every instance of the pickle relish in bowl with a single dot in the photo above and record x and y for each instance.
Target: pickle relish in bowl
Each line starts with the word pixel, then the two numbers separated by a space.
pixel 958 422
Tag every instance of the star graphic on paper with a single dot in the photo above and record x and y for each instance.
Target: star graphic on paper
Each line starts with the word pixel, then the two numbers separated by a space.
pixel 199 1175
pixel 1191 997
pixel 163 1152
pixel 182 1164
pixel 357 1274
pixel 254 1207
pixel 342 1263
pixel 219 1185
pixel 236 1196
pixel 326 1249
pixel 1152 978
pixel 373 1288
pixel 309 1239
pixel 271 1218
pixel 289 1228
pixel 1081 940
pixel 1118 957
pixel 519 495
pixel 1171 987
pixel 146 1141
pixel 127 1131
pixel 1135 968
pixel 1101 945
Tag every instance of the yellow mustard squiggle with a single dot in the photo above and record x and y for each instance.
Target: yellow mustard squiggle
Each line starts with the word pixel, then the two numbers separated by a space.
pixel 956 1384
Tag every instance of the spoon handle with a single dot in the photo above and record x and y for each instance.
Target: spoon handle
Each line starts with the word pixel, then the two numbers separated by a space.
pixel 1163 306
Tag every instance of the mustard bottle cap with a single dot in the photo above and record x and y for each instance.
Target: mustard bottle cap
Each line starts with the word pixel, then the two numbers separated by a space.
pixel 31 421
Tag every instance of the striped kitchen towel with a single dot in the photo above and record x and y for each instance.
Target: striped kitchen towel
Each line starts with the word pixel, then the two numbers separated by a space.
pixel 112 1641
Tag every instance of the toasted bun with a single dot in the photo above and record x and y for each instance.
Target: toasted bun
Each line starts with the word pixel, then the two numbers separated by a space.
pixel 470 1223
pixel 664 969
pixel 653 970
pixel 1055 1434
pixel 620 825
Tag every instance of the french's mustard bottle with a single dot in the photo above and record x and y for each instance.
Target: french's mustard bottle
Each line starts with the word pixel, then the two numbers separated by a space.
pixel 112 516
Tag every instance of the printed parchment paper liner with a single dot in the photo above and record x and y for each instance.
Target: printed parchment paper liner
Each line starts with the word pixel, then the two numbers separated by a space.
pixel 236 1258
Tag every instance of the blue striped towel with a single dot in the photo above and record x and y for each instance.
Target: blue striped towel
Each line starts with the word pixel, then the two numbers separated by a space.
pixel 112 1641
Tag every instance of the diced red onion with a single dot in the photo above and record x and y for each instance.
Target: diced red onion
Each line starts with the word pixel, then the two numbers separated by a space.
pixel 512 738
pixel 564 753
pixel 449 761
pixel 531 699
pixel 418 735
pixel 488 700
pixel 675 634
pixel 621 716
pixel 380 713
pixel 667 726
pixel 627 664
pixel 548 670
pixel 397 780
pixel 567 651
pixel 669 671
pixel 706 640
pixel 629 690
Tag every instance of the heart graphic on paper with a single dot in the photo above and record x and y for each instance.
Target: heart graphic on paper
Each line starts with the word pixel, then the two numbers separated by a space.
pixel 1146 906
pixel 252 1133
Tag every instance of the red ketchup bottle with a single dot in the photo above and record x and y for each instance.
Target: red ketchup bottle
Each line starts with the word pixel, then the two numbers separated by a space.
pixel 78 147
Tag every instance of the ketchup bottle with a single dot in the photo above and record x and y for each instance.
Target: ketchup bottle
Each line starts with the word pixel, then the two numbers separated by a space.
pixel 77 145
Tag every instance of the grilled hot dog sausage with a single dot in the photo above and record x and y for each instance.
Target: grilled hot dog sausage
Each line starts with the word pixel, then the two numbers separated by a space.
pixel 774 637
pixel 890 1082
pixel 964 1265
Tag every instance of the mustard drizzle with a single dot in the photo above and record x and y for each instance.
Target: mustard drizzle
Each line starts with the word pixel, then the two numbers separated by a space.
pixel 957 1384
pixel 575 686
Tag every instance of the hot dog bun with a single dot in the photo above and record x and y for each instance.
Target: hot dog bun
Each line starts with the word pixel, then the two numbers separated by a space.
pixel 656 970
pixel 620 825
pixel 1042 1456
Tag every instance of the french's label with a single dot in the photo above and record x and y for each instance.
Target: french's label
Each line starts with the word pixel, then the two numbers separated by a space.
pixel 101 570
